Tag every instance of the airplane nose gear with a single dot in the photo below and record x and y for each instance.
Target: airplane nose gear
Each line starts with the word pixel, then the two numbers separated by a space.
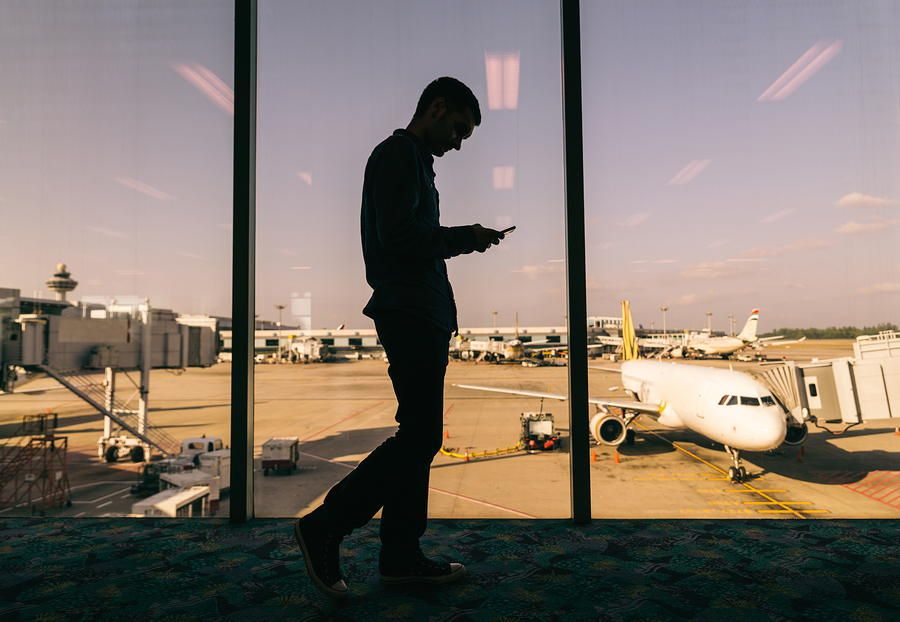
pixel 736 473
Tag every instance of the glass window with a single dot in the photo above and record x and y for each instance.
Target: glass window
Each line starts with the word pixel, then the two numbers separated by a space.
pixel 116 122
pixel 733 400
pixel 768 400
pixel 723 400
pixel 813 390
pixel 742 163
pixel 335 80
pixel 749 401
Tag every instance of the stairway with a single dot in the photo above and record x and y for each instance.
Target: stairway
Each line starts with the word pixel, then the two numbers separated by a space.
pixel 88 389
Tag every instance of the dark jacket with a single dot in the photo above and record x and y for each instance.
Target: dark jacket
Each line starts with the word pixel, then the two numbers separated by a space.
pixel 403 243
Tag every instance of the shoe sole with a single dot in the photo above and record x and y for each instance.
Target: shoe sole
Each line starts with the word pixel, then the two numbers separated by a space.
pixel 453 577
pixel 320 585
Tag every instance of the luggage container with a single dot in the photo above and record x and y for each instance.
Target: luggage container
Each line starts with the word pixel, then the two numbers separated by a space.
pixel 281 454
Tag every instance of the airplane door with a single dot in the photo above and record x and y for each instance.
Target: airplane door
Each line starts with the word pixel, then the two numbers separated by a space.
pixel 812 393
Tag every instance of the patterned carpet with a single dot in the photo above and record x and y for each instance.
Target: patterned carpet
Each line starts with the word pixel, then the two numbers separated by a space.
pixel 207 569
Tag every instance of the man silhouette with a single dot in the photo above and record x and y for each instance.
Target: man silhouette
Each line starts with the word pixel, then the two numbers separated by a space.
pixel 404 247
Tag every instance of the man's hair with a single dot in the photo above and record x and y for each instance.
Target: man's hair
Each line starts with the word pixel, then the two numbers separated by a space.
pixel 457 95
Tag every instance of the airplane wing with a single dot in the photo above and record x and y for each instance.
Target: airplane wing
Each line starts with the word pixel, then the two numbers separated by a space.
pixel 641 407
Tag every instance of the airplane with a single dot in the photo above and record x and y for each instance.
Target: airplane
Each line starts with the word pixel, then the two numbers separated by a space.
pixel 707 345
pixel 729 407
pixel 703 344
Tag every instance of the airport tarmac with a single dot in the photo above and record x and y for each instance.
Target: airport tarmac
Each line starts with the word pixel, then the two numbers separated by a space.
pixel 341 411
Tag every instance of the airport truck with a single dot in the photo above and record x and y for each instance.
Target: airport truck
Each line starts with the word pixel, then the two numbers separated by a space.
pixel 281 454
pixel 194 446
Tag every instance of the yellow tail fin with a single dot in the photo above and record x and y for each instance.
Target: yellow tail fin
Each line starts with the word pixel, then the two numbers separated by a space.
pixel 629 338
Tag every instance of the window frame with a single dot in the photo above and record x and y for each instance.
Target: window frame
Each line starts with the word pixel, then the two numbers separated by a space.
pixel 244 260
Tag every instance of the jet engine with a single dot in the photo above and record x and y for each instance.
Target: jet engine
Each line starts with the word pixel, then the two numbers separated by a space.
pixel 608 429
pixel 796 434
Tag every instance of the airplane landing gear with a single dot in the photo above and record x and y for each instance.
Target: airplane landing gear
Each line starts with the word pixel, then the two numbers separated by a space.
pixel 736 473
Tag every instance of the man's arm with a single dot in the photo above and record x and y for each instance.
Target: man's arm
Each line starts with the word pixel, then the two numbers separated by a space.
pixel 401 230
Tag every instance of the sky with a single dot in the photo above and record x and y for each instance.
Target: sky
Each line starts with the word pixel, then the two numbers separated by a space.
pixel 738 155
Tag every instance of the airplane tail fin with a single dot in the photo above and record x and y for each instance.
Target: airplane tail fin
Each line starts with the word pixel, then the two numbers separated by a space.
pixel 629 338
pixel 748 334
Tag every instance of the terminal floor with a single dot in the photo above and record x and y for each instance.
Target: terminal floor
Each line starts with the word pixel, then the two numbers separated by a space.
pixel 208 569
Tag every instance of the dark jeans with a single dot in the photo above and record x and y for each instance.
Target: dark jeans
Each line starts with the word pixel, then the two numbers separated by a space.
pixel 394 477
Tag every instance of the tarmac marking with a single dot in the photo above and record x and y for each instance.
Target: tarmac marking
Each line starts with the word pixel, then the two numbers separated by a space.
pixel 103 505
pixel 356 414
pixel 117 492
pixel 884 488
pixel 437 490
pixel 727 491
pixel 786 509
pixel 79 514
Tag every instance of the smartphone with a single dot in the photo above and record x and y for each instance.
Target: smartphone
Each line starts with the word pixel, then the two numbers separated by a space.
pixel 508 230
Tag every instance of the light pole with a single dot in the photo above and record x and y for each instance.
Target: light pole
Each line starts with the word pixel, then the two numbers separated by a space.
pixel 731 323
pixel 709 322
pixel 280 309
pixel 664 308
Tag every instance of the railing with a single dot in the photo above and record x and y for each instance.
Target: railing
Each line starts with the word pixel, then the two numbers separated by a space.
pixel 94 393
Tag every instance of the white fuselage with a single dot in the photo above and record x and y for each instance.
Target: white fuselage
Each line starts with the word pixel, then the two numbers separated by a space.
pixel 700 399
pixel 716 345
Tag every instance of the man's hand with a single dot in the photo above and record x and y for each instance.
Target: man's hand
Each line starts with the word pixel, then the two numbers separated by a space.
pixel 485 237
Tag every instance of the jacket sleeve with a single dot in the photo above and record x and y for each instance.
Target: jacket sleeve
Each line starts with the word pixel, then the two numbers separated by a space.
pixel 401 229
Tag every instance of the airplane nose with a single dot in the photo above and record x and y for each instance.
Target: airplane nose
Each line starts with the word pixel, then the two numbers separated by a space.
pixel 777 431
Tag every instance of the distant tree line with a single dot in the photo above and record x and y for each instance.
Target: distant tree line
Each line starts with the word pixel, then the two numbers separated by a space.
pixel 832 332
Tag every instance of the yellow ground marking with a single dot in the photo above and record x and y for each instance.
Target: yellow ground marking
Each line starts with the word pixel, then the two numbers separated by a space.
pixel 786 509
pixel 725 490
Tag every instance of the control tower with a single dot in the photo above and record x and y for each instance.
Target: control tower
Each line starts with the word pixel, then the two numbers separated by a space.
pixel 60 282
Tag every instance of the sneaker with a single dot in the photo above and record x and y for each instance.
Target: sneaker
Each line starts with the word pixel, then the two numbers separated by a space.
pixel 420 569
pixel 322 553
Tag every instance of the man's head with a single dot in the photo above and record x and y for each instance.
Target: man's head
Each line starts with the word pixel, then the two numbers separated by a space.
pixel 446 115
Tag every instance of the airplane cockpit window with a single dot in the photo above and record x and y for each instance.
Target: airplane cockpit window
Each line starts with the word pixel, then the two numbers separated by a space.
pixel 723 400
pixel 732 400
pixel 749 401
pixel 768 400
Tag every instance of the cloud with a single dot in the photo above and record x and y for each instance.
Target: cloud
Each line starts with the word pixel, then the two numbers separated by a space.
pixel 306 176
pixel 188 255
pixel 301 267
pixel 108 232
pixel 556 261
pixel 636 220
pixel 858 199
pixel 713 270
pixel 775 217
pixel 854 228
pixel 797 246
pixel 689 172
pixel 881 288
pixel 145 189
pixel 532 271
pixel 208 83
pixel 655 261
pixel 129 273
pixel 718 243
pixel 686 299
pixel 804 68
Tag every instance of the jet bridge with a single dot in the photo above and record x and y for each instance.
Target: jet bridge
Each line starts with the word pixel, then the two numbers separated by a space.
pixel 843 390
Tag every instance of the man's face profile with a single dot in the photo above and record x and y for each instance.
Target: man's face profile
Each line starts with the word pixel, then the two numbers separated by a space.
pixel 449 127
